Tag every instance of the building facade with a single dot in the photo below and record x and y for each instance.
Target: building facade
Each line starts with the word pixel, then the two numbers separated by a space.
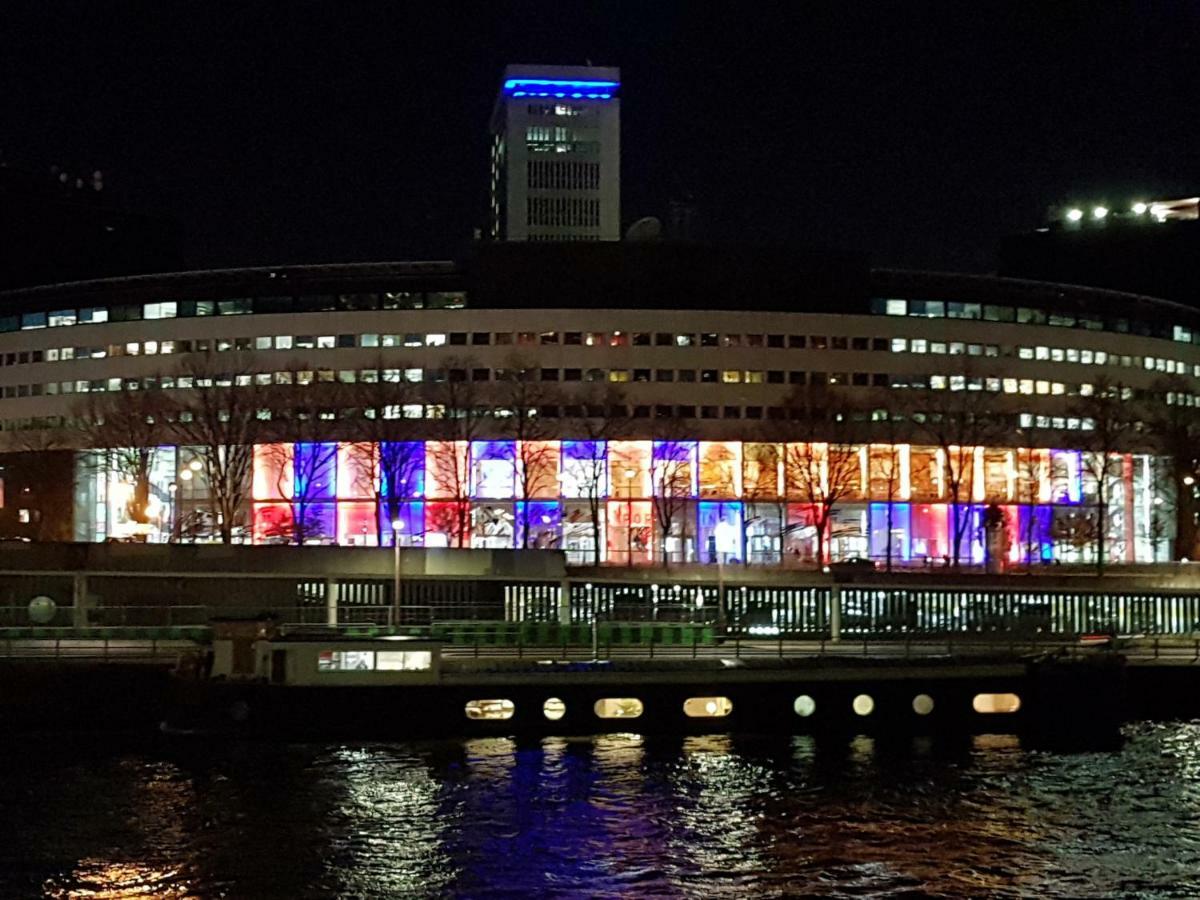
pixel 626 403
pixel 556 154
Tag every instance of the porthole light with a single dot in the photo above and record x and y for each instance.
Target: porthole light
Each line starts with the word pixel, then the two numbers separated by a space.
pixel 864 705
pixel 805 706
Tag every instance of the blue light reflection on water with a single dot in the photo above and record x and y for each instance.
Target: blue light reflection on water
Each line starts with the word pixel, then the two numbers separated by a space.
pixel 616 815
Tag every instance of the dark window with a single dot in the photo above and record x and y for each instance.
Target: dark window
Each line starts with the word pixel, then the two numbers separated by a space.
pixel 754 412
pixel 879 344
pixel 774 340
pixel 664 375
pixel 481 374
pixel 708 412
pixel 776 412
pixel 266 305
pixel 795 378
pixel 708 375
pixel 458 338
pixel 343 340
pixel 663 411
pixel 549 374
pixel 797 341
pixel 641 412
pixel 733 412
pixel 481 338
pixel 641 339
pixel 879 379
pixel 774 376
pixel 457 375
pixel 662 339
pixel 572 374
pixel 861 379
pixel 685 412
pixel 549 337
pixel 839 343
pixel 687 374
pixel 573 338
pixel 754 340
pixel 708 340
pixel 819 343
pixel 641 374
pixel 859 344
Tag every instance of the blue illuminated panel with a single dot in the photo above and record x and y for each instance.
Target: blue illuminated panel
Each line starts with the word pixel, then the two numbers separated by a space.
pixel 562 89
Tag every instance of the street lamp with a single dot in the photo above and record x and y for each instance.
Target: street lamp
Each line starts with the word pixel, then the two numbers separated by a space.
pixel 397 527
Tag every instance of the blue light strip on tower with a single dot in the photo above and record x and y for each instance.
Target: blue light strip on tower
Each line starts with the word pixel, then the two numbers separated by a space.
pixel 552 87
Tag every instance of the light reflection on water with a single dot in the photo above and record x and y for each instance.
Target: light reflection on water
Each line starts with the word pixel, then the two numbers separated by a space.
pixel 615 815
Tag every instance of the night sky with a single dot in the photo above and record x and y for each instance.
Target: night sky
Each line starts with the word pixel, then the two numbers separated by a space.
pixel 318 132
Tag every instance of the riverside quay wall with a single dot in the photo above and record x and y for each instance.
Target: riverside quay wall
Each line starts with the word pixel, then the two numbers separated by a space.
pixel 156 585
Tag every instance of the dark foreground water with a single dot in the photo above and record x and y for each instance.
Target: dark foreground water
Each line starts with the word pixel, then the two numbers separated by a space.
pixel 615 816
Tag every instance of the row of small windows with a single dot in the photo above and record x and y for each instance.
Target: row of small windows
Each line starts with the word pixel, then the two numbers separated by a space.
pixel 945 309
pixel 558 175
pixel 563 110
pixel 172 309
pixel 719 707
pixel 563 212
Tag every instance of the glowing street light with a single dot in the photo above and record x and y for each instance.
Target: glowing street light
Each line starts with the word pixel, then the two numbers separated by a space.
pixel 397 527
pixel 1099 212
pixel 1139 208
pixel 1074 215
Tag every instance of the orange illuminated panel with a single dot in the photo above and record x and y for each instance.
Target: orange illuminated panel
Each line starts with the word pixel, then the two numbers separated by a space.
pixel 721 469
pixel 629 468
pixel 273 523
pixel 447 475
pixel 273 473
pixel 357 524
pixel 538 462
pixel 630 532
pixel 761 465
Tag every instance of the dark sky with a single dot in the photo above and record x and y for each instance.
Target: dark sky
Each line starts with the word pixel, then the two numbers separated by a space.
pixel 312 132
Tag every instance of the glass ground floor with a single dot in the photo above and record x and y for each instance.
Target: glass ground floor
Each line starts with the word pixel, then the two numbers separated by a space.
pixel 641 502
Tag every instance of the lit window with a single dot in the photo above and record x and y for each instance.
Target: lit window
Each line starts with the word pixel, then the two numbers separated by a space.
pixel 370 340
pixel 490 709
pixel 326 341
pixel 753 377
pixel 1042 387
pixel 283 342
pixel 996 703
pixel 899 345
pixel 159 310
pixel 1041 353
pixel 1026 386
pixel 937 347
pixel 731 376
pixel 413 376
pixel 937 382
pixel 346 661
pixel 707 707
pixel 618 708
pixel 403 660
pixel 919 345
pixel 896 307
pixel 618 375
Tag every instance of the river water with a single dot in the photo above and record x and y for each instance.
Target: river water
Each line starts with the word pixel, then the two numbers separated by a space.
pixel 607 816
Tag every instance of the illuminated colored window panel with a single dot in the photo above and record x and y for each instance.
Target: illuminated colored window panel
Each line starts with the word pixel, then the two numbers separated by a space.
pixel 898 533
pixel 273 475
pixel 629 468
pixel 315 469
pixel 673 470
pixel 929 532
pixel 411 518
pixel 1034 537
pixel 447 475
pixel 631 532
pixel 762 470
pixel 999 475
pixel 539 524
pixel 1012 533
pixel 493 466
pixel 579 537
pixel 446 522
pixel 402 468
pixel 584 469
pixel 719 532
pixel 356 524
pixel 721 469
pixel 357 470
pixel 887 471
pixel 492 526
pixel 315 523
pixel 1066 485
pixel 273 523
pixel 800 534
pixel 925 468
pixel 763 527
pixel 538 464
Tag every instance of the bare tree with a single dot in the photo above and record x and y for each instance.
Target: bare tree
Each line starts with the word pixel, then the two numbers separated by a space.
pixel 388 451
pixel 129 428
pixel 820 459
pixel 672 470
pixel 598 415
pixel 303 452
pixel 1029 477
pixel 958 421
pixel 524 403
pixel 764 459
pixel 887 429
pixel 221 419
pixel 460 409
pixel 1109 426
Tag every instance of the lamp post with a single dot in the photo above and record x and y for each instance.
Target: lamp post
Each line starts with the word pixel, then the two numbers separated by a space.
pixel 397 527
pixel 629 473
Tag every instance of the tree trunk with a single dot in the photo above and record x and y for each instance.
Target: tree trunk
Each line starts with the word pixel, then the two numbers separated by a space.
pixel 891 504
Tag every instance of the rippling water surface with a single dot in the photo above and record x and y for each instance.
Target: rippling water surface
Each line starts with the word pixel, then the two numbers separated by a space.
pixel 613 816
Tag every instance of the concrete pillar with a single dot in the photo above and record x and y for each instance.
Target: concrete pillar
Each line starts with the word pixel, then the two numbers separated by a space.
pixel 79 600
pixel 835 612
pixel 564 602
pixel 331 601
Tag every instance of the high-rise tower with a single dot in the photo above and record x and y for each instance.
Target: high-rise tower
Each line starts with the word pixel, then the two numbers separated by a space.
pixel 556 154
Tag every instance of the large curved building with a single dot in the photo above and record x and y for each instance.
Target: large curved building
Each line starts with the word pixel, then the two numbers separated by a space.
pixel 620 401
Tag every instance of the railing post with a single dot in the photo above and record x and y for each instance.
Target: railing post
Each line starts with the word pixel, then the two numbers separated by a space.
pixel 835 612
